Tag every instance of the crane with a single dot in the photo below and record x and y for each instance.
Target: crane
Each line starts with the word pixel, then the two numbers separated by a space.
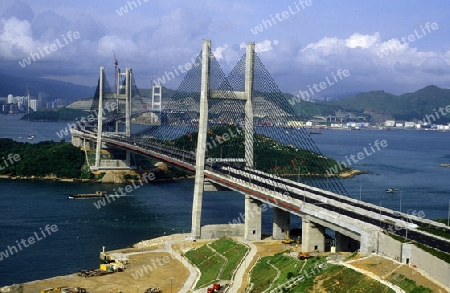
pixel 116 63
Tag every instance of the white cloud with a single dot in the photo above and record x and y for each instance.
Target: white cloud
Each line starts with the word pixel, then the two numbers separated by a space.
pixel 16 38
pixel 326 45
pixel 107 44
pixel 363 41
pixel 218 52
pixel 436 65
pixel 404 67
pixel 264 46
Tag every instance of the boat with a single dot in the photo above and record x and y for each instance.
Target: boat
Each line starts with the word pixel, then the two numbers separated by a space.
pixel 312 131
pixel 31 136
pixel 88 195
pixel 391 190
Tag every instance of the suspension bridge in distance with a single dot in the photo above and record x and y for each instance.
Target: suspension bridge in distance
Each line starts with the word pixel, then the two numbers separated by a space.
pixel 239 133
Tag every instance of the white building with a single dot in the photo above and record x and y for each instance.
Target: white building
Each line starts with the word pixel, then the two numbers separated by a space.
pixel 34 105
pixel 336 125
pixel 409 124
pixel 399 124
pixel 389 123
pixel 443 127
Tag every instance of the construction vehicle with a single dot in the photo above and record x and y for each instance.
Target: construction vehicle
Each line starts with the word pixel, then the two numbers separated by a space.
pixel 64 289
pixel 307 254
pixel 304 255
pixel 288 240
pixel 153 290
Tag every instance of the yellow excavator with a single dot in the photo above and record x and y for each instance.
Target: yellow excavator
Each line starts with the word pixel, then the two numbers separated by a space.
pixel 288 240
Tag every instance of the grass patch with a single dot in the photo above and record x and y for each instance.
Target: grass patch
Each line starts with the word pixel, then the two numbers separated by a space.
pixel 354 254
pixel 340 279
pixel 442 232
pixel 262 275
pixel 407 284
pixel 234 252
pixel 316 273
pixel 208 262
pixel 288 266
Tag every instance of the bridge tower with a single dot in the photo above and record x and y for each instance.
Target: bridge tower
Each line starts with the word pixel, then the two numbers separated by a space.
pixel 253 215
pixel 156 97
pixel 201 144
pixel 123 94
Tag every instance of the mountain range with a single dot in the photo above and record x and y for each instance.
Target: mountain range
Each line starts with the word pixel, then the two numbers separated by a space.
pixel 18 86
pixel 377 106
pixel 374 106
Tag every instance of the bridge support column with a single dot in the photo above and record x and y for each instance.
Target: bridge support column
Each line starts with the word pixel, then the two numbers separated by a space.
pixel 345 243
pixel 201 144
pixel 99 120
pixel 128 158
pixel 313 236
pixel 281 223
pixel 253 214
pixel 369 242
pixel 128 102
pixel 253 219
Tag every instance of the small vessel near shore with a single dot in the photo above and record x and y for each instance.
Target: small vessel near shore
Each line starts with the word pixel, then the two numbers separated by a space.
pixel 315 131
pixel 88 195
pixel 391 190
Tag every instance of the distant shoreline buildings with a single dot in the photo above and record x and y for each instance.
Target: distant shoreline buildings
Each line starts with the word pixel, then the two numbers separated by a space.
pixel 23 104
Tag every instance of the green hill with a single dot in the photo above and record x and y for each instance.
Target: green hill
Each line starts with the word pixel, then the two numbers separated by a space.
pixel 410 106
pixel 272 157
pixel 307 110
pixel 61 159
pixel 18 86
pixel 54 115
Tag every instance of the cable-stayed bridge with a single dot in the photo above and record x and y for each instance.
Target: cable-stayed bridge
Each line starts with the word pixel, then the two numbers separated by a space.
pixel 238 132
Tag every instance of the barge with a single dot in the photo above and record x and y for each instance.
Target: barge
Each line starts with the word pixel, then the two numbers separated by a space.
pixel 88 195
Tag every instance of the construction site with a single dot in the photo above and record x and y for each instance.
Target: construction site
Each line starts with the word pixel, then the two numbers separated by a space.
pixel 177 264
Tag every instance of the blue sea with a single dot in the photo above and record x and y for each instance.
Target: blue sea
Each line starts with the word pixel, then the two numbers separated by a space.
pixel 409 162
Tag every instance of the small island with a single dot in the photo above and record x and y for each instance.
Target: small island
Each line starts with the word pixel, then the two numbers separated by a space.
pixel 63 161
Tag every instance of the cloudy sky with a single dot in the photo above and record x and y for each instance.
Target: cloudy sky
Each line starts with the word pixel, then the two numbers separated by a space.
pixel 398 46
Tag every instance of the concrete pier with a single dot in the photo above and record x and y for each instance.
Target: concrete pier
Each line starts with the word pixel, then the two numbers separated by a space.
pixel 253 219
pixel 345 243
pixel 281 223
pixel 313 236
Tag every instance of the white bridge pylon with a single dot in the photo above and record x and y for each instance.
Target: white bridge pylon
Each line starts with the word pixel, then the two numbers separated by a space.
pixel 253 225
pixel 126 96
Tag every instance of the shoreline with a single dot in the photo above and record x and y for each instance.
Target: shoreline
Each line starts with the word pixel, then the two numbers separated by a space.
pixel 352 173
pixel 77 180
pixel 151 263
pixel 155 254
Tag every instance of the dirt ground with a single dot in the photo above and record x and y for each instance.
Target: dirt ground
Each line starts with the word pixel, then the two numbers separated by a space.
pixel 144 254
pixel 168 274
pixel 383 267
pixel 124 281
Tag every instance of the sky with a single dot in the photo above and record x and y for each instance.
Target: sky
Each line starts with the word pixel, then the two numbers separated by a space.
pixel 397 46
